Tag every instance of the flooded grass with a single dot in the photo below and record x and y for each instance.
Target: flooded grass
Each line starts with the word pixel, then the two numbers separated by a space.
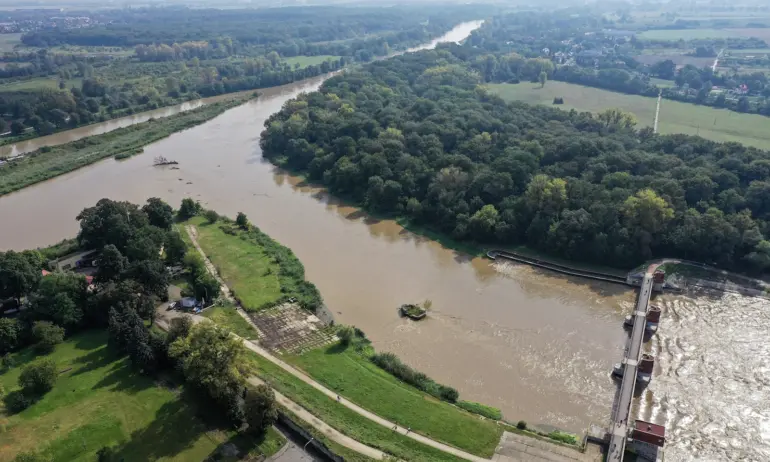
pixel 353 376
pixel 99 400
pixel 343 419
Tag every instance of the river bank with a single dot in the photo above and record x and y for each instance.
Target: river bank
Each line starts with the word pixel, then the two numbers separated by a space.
pixel 536 345
pixel 48 162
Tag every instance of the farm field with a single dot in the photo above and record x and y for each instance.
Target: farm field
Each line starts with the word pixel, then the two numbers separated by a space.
pixel 714 124
pixel 305 61
pixel 689 34
pixel 8 41
pixel 99 400
pixel 678 58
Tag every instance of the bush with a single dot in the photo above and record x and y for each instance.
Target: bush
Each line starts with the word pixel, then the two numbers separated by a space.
pixel 179 328
pixel 260 408
pixel 211 216
pixel 47 335
pixel 563 437
pixel 38 378
pixel 390 363
pixel 521 425
pixel 448 393
pixel 16 402
pixel 31 457
pixel 346 334
pixel 189 208
pixel 558 100
pixel 481 409
pixel 242 221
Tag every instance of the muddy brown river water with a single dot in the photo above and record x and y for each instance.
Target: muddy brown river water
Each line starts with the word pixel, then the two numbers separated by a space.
pixel 538 345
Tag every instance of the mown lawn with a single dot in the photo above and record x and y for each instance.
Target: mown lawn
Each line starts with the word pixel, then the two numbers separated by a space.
pixel 675 117
pixel 343 419
pixel 99 400
pixel 356 378
pixel 305 61
pixel 225 316
pixel 242 264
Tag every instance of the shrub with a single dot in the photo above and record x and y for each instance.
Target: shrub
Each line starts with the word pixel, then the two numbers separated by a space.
pixel 242 221
pixel 346 334
pixel 47 335
pixel 521 425
pixel 481 409
pixel 16 402
pixel 260 408
pixel 179 328
pixel 448 393
pixel 558 100
pixel 9 334
pixel 563 437
pixel 211 216
pixel 39 377
pixel 390 363
pixel 189 208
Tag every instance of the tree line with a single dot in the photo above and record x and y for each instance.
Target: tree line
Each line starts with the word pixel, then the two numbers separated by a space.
pixel 415 136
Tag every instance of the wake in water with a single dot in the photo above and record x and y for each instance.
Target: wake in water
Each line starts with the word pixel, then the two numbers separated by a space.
pixel 711 387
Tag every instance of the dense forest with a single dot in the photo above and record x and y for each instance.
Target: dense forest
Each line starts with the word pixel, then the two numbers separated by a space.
pixel 318 30
pixel 416 136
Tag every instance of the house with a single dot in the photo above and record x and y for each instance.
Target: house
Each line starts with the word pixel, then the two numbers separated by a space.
pixel 589 57
pixel 77 260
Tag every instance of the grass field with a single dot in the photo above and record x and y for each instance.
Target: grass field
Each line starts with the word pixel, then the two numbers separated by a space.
pixel 47 163
pixel 675 117
pixel 99 400
pixel 305 61
pixel 370 387
pixel 40 83
pixel 688 34
pixel 225 316
pixel 662 83
pixel 8 41
pixel 244 266
pixel 342 418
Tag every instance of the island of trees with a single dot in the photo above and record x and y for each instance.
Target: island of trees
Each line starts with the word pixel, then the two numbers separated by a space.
pixel 415 136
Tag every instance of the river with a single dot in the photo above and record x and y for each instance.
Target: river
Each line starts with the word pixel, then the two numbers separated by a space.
pixel 537 345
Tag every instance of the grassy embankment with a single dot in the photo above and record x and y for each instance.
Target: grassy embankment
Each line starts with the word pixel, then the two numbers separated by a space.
pixel 99 400
pixel 343 419
pixel 675 117
pixel 49 162
pixel 305 61
pixel 245 266
pixel 357 379
pixel 259 271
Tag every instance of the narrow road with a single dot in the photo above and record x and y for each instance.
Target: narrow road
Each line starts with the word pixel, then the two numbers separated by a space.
pixel 331 394
pixel 716 61
pixel 657 113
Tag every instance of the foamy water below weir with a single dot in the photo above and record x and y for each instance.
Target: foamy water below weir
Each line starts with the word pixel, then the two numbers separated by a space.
pixel 711 386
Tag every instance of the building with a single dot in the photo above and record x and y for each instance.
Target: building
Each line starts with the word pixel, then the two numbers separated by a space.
pixel 77 260
pixel 648 439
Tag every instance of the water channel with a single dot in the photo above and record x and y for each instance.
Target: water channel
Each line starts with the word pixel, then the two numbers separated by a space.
pixel 537 345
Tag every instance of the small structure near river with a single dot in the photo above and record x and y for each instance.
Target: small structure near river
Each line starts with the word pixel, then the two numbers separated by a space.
pixel 414 312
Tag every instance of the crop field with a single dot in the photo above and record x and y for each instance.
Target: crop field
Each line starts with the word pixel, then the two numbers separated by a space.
pixel 689 34
pixel 678 59
pixel 8 41
pixel 675 117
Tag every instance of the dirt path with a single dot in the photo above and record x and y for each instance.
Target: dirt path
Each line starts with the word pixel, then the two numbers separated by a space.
pixel 657 114
pixel 309 381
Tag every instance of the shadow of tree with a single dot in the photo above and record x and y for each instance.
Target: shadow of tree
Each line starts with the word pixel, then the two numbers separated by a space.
pixel 121 377
pixel 96 359
pixel 173 430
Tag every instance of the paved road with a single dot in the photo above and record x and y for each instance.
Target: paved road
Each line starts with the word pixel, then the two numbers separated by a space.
pixel 619 428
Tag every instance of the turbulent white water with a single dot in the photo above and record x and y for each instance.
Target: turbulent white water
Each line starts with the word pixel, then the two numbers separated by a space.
pixel 711 386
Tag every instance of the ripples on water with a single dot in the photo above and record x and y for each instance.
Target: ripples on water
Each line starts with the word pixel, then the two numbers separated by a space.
pixel 712 381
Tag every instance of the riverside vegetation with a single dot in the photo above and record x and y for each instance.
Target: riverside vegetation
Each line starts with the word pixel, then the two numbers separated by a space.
pixel 415 136
pixel 119 62
pixel 48 162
